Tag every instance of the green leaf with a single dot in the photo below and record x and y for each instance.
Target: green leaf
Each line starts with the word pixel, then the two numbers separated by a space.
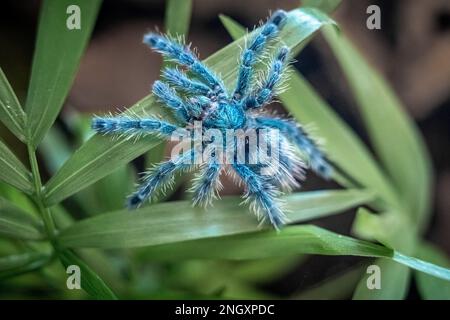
pixel 291 240
pixel 393 134
pixel 90 281
pixel 101 155
pixel 178 16
pixel 55 62
pixel 179 221
pixel 12 171
pixel 18 264
pixel 17 224
pixel 11 112
pixel 343 146
pixel 430 287
pixel 394 282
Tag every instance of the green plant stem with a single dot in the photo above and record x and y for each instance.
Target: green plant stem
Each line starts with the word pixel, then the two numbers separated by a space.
pixel 45 212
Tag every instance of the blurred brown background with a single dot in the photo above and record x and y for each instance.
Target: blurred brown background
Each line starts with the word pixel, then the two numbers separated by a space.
pixel 412 50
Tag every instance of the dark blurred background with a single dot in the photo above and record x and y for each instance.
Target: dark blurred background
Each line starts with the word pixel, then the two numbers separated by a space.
pixel 412 50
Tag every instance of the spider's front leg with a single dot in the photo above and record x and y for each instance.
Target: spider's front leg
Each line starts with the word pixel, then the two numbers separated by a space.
pixel 182 110
pixel 132 126
pixel 181 54
pixel 262 194
pixel 251 54
pixel 264 93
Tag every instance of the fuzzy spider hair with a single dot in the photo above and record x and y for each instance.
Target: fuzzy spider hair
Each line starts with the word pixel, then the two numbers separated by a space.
pixel 202 96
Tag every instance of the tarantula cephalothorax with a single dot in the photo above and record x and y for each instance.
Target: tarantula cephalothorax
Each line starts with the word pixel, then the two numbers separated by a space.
pixel 203 98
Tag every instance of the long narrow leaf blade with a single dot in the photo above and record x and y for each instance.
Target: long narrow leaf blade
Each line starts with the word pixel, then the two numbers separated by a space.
pixel 59 46
pixel 178 16
pixel 179 221
pixel 101 154
pixel 12 171
pixel 11 112
pixel 292 240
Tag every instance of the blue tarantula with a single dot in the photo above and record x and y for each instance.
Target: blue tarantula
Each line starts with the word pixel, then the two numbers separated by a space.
pixel 202 96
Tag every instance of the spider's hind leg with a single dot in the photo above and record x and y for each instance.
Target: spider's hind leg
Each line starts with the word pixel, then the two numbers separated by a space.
pixel 251 53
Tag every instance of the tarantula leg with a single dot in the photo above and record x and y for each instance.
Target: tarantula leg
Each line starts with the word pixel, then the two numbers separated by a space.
pixel 296 134
pixel 183 111
pixel 253 51
pixel 263 95
pixel 181 54
pixel 132 126
pixel 159 176
pixel 180 81
pixel 207 184
pixel 262 195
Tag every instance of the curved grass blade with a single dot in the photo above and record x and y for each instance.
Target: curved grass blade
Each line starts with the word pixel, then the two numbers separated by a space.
pixel 291 240
pixel 11 112
pixel 343 146
pixel 90 281
pixel 100 155
pixel 179 221
pixel 430 287
pixel 12 171
pixel 394 136
pixel 17 224
pixel 56 58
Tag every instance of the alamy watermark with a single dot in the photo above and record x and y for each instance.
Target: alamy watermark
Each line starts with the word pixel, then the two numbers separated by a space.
pixel 198 145
pixel 73 21
pixel 373 281
pixel 74 279
pixel 374 20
